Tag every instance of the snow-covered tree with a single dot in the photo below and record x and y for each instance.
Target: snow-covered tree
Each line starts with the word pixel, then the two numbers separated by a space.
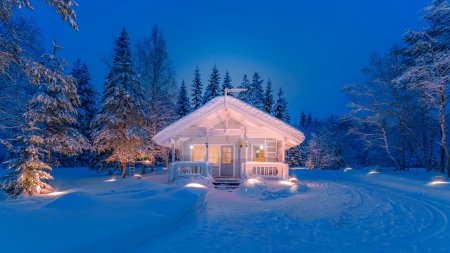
pixel 280 109
pixel 197 90
pixel 157 76
pixel 55 108
pixel 303 120
pixel 245 95
pixel 88 107
pixel 27 168
pixel 308 120
pixel 120 126
pixel 227 84
pixel 213 89
pixel 256 92
pixel 268 98
pixel 183 105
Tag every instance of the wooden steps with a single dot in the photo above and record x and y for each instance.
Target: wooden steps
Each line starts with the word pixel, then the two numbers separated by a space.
pixel 226 183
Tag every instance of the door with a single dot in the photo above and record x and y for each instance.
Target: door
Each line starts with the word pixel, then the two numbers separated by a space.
pixel 226 163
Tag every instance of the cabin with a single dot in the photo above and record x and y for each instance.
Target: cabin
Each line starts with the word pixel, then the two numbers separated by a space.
pixel 228 138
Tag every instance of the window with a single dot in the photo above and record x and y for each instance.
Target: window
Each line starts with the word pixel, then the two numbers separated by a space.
pixel 198 153
pixel 213 154
pixel 258 154
pixel 226 155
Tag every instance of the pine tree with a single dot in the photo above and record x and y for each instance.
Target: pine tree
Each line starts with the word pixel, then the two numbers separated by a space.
pixel 303 120
pixel 183 105
pixel 256 92
pixel 213 88
pixel 54 107
pixel 27 168
pixel 268 98
pixel 88 103
pixel 244 96
pixel 308 120
pixel 227 84
pixel 120 126
pixel 197 90
pixel 280 109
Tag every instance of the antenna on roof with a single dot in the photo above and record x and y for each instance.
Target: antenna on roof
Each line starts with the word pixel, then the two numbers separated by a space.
pixel 231 91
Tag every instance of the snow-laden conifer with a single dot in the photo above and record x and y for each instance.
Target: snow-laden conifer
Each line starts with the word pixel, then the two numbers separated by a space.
pixel 120 126
pixel 88 107
pixel 213 89
pixel 54 106
pixel 27 169
pixel 227 84
pixel 268 98
pixel 245 95
pixel 256 92
pixel 197 90
pixel 280 109
pixel 183 105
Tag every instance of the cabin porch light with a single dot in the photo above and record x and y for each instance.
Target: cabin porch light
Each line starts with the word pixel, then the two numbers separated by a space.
pixel 191 147
pixel 261 147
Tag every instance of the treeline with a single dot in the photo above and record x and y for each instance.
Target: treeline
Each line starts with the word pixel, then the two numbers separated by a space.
pixel 254 94
pixel 399 117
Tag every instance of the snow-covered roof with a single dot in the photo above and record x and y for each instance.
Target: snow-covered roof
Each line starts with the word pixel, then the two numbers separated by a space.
pixel 237 107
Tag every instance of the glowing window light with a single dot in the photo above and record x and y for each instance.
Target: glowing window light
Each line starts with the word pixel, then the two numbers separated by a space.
pixel 195 185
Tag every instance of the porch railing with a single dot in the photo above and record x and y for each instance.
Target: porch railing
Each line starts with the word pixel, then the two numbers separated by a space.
pixel 189 169
pixel 265 169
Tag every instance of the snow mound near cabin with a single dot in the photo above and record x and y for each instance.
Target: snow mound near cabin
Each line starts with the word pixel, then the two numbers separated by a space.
pixel 270 189
pixel 74 200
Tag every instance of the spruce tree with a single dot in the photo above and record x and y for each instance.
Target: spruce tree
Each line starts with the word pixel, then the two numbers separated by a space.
pixel 27 168
pixel 120 126
pixel 308 120
pixel 256 92
pixel 54 107
pixel 303 120
pixel 88 103
pixel 268 98
pixel 227 84
pixel 197 90
pixel 213 88
pixel 280 109
pixel 183 105
pixel 245 95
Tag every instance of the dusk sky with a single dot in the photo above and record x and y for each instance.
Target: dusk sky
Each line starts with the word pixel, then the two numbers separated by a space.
pixel 309 48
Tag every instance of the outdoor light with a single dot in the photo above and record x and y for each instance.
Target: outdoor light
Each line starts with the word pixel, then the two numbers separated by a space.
pixel 110 180
pixel 347 169
pixel 252 181
pixel 191 147
pixel 56 193
pixel 261 147
pixel 195 185
pixel 146 161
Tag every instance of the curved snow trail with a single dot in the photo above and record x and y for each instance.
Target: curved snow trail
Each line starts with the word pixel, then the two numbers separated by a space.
pixel 342 213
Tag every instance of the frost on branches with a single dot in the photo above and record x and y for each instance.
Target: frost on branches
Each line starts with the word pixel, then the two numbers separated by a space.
pixel 120 126
pixel 27 168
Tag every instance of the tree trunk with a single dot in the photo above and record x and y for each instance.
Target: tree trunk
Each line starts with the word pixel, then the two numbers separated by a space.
pixel 153 166
pixel 124 169
pixel 143 168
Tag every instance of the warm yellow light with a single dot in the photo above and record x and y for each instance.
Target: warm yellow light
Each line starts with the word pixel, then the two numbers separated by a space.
pixel 347 169
pixel 191 147
pixel 110 180
pixel 146 161
pixel 438 183
pixel 56 193
pixel 252 181
pixel 261 147
pixel 195 185
pixel 293 179
pixel 286 183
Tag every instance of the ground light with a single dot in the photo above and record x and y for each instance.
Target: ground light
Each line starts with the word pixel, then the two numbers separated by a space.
pixel 438 180
pixel 253 181
pixel 110 180
pixel 195 185
pixel 347 169
pixel 373 172
pixel 286 183
pixel 56 193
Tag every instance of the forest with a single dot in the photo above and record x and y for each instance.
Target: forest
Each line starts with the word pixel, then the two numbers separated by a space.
pixel 51 115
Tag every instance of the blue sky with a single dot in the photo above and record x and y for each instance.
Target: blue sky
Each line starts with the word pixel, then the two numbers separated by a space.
pixel 309 48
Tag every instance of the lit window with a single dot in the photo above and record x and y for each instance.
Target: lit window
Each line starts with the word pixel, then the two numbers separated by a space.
pixel 226 155
pixel 258 154
pixel 198 153
pixel 213 154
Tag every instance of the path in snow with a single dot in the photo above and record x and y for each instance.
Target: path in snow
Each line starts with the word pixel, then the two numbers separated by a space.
pixel 350 212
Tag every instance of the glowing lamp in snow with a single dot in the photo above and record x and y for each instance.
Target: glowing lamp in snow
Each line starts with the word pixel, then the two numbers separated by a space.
pixel 195 185
pixel 438 180
pixel 286 183
pixel 56 193
pixel 252 181
pixel 373 172
pixel 146 161
pixel 110 180
pixel 347 169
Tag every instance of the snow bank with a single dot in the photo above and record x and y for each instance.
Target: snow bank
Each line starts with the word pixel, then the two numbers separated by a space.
pixel 270 189
pixel 99 214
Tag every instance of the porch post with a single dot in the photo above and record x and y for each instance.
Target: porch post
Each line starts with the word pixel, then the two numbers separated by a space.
pixel 283 153
pixel 173 152
pixel 207 151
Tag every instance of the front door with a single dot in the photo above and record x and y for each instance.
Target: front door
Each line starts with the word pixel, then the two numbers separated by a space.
pixel 226 163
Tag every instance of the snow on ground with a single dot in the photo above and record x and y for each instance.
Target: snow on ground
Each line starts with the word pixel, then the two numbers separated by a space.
pixel 324 211
pixel 91 212
pixel 337 211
